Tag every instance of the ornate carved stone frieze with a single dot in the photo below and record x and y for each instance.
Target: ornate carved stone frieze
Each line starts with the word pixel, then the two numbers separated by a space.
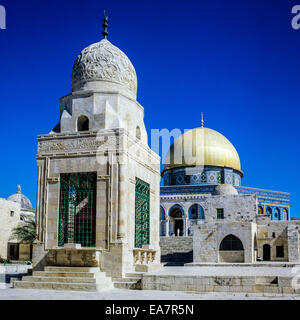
pixel 78 145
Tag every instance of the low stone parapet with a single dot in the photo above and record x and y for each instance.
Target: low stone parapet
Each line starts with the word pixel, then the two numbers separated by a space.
pixel 144 260
pixel 203 284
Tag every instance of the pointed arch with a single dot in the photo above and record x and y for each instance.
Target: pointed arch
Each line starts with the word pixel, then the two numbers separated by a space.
pixel 231 243
pixel 176 211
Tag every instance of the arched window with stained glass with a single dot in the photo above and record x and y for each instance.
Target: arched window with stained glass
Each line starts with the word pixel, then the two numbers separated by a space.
pixel 196 212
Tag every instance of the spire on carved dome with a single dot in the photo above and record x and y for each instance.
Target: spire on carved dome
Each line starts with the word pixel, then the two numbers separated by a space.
pixel 102 66
pixel 105 26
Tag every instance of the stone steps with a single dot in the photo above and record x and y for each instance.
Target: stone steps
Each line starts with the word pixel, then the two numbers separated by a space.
pixel 66 278
pixel 63 274
pixel 132 285
pixel 127 279
pixel 131 281
pixel 71 269
pixel 55 286
pixel 135 275
pixel 59 279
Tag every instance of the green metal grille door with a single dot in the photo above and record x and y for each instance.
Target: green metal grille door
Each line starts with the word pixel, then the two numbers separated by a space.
pixel 142 213
pixel 77 209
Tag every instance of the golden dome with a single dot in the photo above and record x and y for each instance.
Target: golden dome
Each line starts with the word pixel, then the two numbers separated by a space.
pixel 202 147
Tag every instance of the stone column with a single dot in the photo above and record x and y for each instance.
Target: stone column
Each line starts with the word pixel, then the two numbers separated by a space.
pixel 123 198
pixel 167 227
pixel 186 226
pixel 40 201
pixel 171 227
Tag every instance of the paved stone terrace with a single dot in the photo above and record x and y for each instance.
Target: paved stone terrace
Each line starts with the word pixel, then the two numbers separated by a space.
pixel 121 294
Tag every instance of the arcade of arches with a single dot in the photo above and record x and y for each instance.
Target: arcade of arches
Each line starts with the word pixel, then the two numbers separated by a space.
pixel 178 222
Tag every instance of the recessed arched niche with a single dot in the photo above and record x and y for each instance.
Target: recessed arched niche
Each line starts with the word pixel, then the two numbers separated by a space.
pixel 83 123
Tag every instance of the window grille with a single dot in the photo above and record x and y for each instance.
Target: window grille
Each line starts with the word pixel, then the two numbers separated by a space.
pixel 77 209
pixel 142 213
pixel 220 213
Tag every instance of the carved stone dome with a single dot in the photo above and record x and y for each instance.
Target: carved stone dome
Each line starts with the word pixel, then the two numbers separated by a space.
pixel 225 190
pixel 104 67
pixel 18 197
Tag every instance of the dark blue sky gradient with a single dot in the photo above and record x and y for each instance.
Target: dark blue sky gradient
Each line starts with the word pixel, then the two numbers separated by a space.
pixel 235 60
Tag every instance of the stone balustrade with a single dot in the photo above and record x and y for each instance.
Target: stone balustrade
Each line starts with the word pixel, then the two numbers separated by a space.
pixel 144 256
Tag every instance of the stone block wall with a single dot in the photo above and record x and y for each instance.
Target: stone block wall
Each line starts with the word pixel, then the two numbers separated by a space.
pixel 231 256
pixel 170 245
pixel 275 233
pixel 208 237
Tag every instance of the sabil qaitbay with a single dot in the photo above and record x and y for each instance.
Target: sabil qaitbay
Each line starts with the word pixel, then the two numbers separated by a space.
pixel 116 218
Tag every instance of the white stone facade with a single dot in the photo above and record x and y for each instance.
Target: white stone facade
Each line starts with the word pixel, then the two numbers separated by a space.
pixel 261 237
pixel 12 216
pixel 9 219
pixel 236 208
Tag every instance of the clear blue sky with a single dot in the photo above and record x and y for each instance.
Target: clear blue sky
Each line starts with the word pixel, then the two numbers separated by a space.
pixel 237 61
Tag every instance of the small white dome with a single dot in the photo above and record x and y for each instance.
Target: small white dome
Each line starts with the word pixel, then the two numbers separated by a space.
pixel 225 190
pixel 19 198
pixel 101 66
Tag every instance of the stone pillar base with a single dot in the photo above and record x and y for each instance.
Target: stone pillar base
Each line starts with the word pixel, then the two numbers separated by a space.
pixel 73 257
pixel 39 256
